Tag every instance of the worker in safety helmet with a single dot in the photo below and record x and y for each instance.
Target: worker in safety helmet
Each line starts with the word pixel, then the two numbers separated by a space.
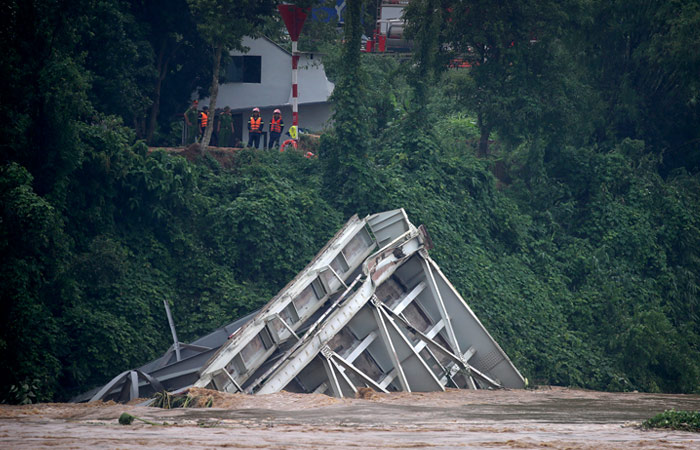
pixel 276 128
pixel 255 128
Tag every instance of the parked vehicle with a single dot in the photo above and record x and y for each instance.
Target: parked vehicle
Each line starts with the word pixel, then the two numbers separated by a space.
pixel 388 35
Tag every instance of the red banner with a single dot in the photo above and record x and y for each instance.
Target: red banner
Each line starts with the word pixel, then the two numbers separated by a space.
pixel 294 18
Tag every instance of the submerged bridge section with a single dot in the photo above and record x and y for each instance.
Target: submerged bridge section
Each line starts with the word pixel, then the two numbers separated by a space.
pixel 371 310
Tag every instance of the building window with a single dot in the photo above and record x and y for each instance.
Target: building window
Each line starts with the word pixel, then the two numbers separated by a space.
pixel 244 69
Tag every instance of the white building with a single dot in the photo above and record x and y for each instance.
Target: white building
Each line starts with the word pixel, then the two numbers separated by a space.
pixel 262 78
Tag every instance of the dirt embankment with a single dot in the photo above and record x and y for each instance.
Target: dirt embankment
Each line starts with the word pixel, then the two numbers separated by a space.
pixel 308 146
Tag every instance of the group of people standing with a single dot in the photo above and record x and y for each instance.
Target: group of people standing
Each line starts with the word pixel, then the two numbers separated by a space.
pixel 196 122
pixel 256 125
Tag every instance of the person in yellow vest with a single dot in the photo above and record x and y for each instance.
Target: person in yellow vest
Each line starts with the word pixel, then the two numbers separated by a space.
pixel 293 141
pixel 276 128
pixel 255 128
pixel 203 120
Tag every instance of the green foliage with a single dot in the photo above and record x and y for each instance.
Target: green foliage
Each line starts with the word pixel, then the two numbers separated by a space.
pixel 223 24
pixel 345 151
pixel 126 419
pixel 23 393
pixel 32 245
pixel 646 77
pixel 226 22
pixel 581 256
pixel 675 420
pixel 424 19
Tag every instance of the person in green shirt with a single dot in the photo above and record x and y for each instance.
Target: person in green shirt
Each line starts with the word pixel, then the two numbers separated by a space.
pixel 225 128
pixel 191 128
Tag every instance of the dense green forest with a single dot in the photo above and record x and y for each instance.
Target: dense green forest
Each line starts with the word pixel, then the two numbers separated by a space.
pixel 558 177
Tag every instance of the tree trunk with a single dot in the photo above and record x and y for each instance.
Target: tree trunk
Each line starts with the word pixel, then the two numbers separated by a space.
pixel 485 131
pixel 213 95
pixel 155 107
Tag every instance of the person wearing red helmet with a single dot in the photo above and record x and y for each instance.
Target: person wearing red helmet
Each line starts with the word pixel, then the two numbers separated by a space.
pixel 255 128
pixel 276 128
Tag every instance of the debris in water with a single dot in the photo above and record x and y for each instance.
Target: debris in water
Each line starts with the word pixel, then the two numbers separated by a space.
pixel 366 393
pixel 127 419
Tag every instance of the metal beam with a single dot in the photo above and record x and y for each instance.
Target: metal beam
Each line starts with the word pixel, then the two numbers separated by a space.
pixel 100 395
pixel 451 338
pixel 285 324
pixel 348 366
pixel 414 351
pixel 389 345
pixel 332 378
pixel 134 391
pixel 301 353
pixel 361 347
pixel 176 343
pixel 230 378
pixel 420 335
pixel 341 371
pixel 157 386
pixel 407 300
pixel 436 346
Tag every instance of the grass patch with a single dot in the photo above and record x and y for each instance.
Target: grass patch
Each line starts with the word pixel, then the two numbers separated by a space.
pixel 675 420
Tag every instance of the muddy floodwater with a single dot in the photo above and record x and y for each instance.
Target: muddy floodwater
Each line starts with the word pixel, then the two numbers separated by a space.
pixel 542 418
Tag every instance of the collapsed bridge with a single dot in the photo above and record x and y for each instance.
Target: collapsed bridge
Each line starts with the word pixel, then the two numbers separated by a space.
pixel 372 309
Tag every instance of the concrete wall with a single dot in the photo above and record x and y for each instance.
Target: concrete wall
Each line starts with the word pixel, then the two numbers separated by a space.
pixel 275 88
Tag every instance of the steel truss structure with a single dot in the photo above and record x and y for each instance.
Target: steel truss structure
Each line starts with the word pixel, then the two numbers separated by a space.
pixel 371 310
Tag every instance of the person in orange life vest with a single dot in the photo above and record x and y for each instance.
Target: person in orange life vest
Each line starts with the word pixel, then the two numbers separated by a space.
pixel 255 128
pixel 203 120
pixel 276 128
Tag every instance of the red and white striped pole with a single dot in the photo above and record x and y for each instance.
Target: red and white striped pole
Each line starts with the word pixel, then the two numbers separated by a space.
pixel 294 18
pixel 295 88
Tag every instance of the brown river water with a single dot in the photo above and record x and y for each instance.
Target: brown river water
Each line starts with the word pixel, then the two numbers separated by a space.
pixel 555 417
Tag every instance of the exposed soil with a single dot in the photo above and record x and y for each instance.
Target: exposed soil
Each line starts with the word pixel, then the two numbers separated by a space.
pixel 543 418
pixel 226 155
